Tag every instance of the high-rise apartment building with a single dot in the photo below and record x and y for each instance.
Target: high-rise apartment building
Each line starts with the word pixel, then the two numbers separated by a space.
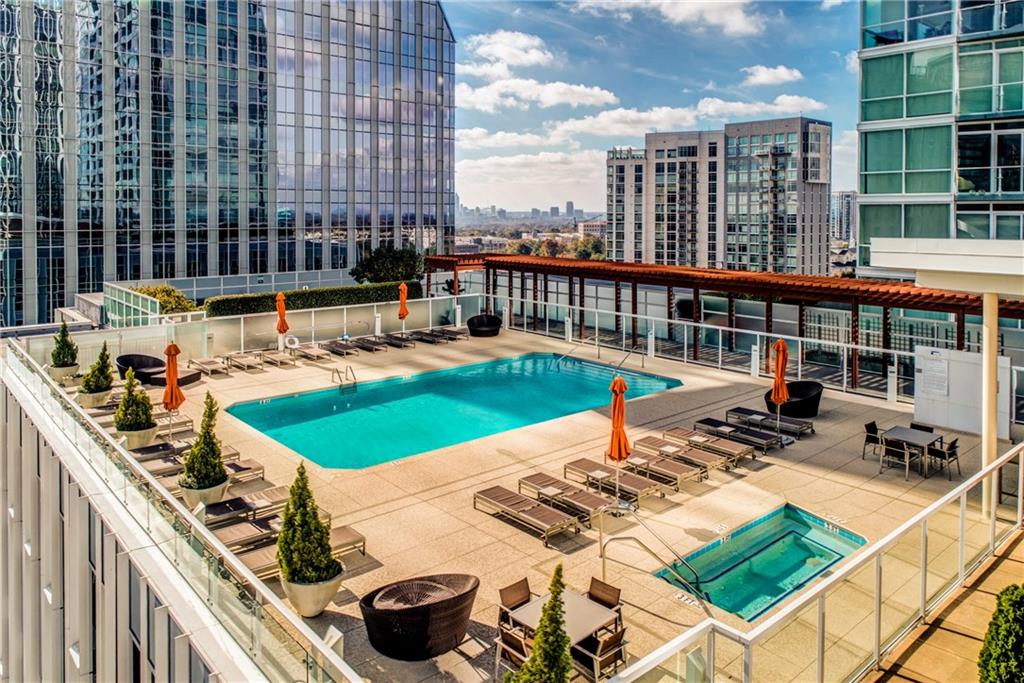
pixel 553 211
pixel 843 216
pixel 570 209
pixel 941 121
pixel 754 196
pixel 193 138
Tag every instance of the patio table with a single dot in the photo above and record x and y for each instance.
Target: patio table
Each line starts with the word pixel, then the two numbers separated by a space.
pixel 583 616
pixel 917 438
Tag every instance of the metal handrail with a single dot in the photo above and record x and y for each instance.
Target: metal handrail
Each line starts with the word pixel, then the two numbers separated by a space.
pixel 652 532
pixel 336 374
pixel 565 355
pixel 700 595
pixel 628 354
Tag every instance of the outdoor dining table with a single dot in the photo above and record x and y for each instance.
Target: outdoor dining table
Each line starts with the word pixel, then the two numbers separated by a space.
pixel 917 438
pixel 583 616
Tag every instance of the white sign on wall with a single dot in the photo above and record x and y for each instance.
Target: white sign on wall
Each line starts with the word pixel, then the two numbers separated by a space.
pixel 947 390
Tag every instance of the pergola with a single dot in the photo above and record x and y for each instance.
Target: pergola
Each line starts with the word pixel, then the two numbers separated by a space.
pixel 799 289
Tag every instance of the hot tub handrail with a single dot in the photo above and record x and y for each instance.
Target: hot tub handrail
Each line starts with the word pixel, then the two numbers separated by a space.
pixel 652 532
pixel 565 355
pixel 702 597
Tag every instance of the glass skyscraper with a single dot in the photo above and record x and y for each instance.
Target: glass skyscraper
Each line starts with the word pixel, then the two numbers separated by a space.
pixel 205 138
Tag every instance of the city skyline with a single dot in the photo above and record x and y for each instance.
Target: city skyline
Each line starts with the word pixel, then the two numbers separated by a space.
pixel 544 89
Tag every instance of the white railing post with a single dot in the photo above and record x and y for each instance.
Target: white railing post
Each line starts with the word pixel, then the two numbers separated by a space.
pixel 820 662
pixel 924 568
pixel 568 324
pixel 748 663
pixel 458 315
pixel 709 664
pixel 312 325
pixel 755 358
pixel 844 369
pixel 650 342
pixel 241 334
pixel 960 541
pixel 799 358
pixel 877 636
pixel 1020 488
pixel 719 349
pixel 686 343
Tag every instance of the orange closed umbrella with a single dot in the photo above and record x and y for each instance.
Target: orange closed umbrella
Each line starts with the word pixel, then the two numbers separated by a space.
pixel 780 392
pixel 619 448
pixel 403 292
pixel 173 397
pixel 282 324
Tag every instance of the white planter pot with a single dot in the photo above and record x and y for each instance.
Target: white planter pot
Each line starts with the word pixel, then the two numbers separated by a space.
pixel 138 439
pixel 99 398
pixel 61 374
pixel 310 599
pixel 194 497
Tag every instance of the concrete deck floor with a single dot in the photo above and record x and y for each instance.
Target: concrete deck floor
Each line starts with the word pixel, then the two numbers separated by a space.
pixel 418 517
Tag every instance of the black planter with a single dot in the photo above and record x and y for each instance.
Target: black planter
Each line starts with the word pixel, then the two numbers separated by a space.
pixel 804 397
pixel 484 325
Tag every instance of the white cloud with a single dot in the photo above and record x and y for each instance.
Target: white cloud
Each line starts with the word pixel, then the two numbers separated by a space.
pixel 496 54
pixel 829 4
pixel 731 17
pixel 851 61
pixel 520 93
pixel 534 180
pixel 759 74
pixel 844 161
pixel 481 138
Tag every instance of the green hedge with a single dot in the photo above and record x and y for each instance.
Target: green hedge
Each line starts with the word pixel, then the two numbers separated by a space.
pixel 298 299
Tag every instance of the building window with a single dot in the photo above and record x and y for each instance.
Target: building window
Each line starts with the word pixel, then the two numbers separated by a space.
pixel 988 225
pixel 896 220
pixel 991 78
pixel 982 16
pixel 915 160
pixel 888 22
pixel 916 84
pixel 990 162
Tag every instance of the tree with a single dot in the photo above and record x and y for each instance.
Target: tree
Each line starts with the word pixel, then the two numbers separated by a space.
pixel 1002 653
pixel 589 247
pixel 304 544
pixel 65 351
pixel 550 661
pixel 171 299
pixel 387 264
pixel 203 466
pixel 134 413
pixel 549 247
pixel 99 377
pixel 521 247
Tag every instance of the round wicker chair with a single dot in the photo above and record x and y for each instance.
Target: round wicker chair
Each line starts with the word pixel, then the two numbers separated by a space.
pixel 484 325
pixel 804 398
pixel 419 618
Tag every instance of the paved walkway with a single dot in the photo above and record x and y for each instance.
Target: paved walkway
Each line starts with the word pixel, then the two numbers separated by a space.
pixel 946 649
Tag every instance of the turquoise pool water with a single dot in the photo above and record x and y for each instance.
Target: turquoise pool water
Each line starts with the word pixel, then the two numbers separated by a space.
pixel 761 563
pixel 389 419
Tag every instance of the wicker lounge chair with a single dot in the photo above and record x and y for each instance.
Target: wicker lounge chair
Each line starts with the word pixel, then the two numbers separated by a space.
pixel 734 451
pixel 757 438
pixel 243 360
pixel 529 512
pixel 340 347
pixel 312 351
pixel 652 445
pixel 399 340
pixel 604 478
pixel 258 504
pixel 767 421
pixel 263 561
pixel 663 468
pixel 209 366
pixel 371 344
pixel 276 357
pixel 586 505
pixel 428 337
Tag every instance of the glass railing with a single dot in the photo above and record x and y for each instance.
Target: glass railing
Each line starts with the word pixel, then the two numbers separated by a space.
pixel 842 626
pixel 278 641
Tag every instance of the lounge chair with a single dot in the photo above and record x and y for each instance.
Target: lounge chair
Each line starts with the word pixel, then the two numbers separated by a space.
pixel 371 344
pixel 656 451
pixel 208 366
pixel 768 421
pixel 453 333
pixel 604 478
pixel 250 532
pixel 529 512
pixel 312 351
pixel 659 467
pixel 340 347
pixel 755 437
pixel 174 447
pixel 243 360
pixel 733 450
pixel 276 357
pixel 166 423
pixel 428 337
pixel 263 561
pixel 683 453
pixel 238 471
pixel 398 340
pixel 586 505
pixel 257 504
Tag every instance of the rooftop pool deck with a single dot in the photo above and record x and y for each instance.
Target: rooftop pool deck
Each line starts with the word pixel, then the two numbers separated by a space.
pixel 417 512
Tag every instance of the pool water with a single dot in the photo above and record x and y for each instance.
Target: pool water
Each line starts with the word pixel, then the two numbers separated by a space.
pixel 761 563
pixel 385 420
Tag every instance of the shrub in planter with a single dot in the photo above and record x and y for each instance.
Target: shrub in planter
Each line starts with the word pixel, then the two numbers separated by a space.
pixel 1002 653
pixel 387 264
pixel 549 661
pixel 133 418
pixel 64 357
pixel 309 573
pixel 97 381
pixel 203 478
pixel 171 299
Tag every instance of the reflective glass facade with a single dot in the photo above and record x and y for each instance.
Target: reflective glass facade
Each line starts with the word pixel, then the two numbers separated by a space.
pixel 941 121
pixel 196 138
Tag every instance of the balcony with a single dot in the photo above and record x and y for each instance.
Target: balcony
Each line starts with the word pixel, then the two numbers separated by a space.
pixel 988 183
pixel 992 20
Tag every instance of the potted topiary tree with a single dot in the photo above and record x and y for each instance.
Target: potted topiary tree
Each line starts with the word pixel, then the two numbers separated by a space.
pixel 97 381
pixel 550 660
pixel 309 573
pixel 1002 653
pixel 64 357
pixel 133 418
pixel 203 479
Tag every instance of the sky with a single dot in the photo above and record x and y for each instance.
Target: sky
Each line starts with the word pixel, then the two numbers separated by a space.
pixel 544 89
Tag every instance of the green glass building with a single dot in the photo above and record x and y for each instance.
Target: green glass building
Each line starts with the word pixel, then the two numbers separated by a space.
pixel 941 121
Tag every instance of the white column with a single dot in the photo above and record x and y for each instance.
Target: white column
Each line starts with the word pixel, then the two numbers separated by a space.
pixel 989 390
pixel 29 554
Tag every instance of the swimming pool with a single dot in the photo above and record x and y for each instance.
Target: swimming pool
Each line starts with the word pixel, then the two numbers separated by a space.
pixel 761 563
pixel 385 420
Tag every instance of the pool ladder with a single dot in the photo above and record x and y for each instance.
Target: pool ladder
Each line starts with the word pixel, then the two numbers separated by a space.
pixel 557 362
pixel 344 379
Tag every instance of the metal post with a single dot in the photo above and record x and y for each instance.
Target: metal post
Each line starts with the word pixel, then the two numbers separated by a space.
pixel 709 668
pixel 844 368
pixel 241 333
pixel 820 668
pixel 633 306
pixel 1020 488
pixel 618 305
pixel 924 567
pixel 670 297
pixel 960 541
pixel 878 610
pixel 696 316
pixel 855 342
pixel 536 325
pixel 800 359
pixel 748 663
pixel 312 325
pixel 583 304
